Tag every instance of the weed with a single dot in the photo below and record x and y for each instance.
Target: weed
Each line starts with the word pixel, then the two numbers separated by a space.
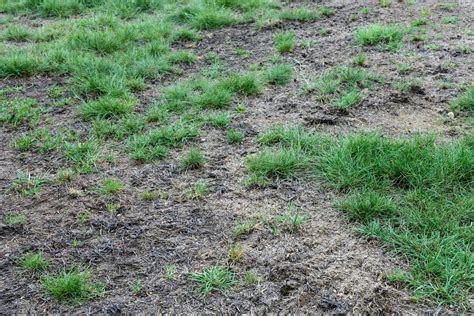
pixel 327 11
pixel 154 195
pixel 15 219
pixel 111 186
pixel 404 68
pixel 194 159
pixel 215 97
pixel 324 31
pixel 348 100
pixel 240 108
pixel 215 278
pixel 411 85
pixel 364 11
pixel 341 85
pixel 285 41
pixel 234 136
pixel 33 261
pixel 155 144
pixel 242 52
pixel 420 22
pixel 17 33
pixel 56 92
pixel 279 74
pixel 83 217
pixel 275 164
pixel 72 287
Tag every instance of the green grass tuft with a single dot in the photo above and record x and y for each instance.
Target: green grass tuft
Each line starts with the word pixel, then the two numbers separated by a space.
pixel 193 159
pixel 108 107
pixel 19 64
pixel 413 194
pixel 33 261
pixel 465 102
pixel 111 186
pixel 234 136
pixel 279 74
pixel 389 35
pixel 285 41
pixel 72 287
pixel 215 278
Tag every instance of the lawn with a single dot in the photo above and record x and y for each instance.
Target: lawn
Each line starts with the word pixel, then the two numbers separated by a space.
pixel 224 156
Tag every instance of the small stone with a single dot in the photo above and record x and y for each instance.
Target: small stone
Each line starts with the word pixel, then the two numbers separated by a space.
pixel 451 115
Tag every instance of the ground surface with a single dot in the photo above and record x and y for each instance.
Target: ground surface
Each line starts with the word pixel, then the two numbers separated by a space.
pixel 325 266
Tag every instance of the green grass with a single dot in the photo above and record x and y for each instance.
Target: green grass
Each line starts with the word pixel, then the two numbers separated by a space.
pixel 279 74
pixel 199 190
pixel 33 261
pixel 216 119
pixel 342 85
pixel 413 194
pixel 15 219
pixel 215 278
pixel 108 107
pixel 156 143
pixel 28 185
pixel 285 41
pixel 18 111
pixel 136 287
pixel 244 83
pixel 360 59
pixel 111 186
pixel 244 228
pixel 301 14
pixel 193 159
pixel 234 136
pixel 387 35
pixel 20 64
pixel 17 33
pixel 465 102
pixel 72 287
pixel 83 156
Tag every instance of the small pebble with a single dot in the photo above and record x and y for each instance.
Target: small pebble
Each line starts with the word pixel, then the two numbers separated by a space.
pixel 451 115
